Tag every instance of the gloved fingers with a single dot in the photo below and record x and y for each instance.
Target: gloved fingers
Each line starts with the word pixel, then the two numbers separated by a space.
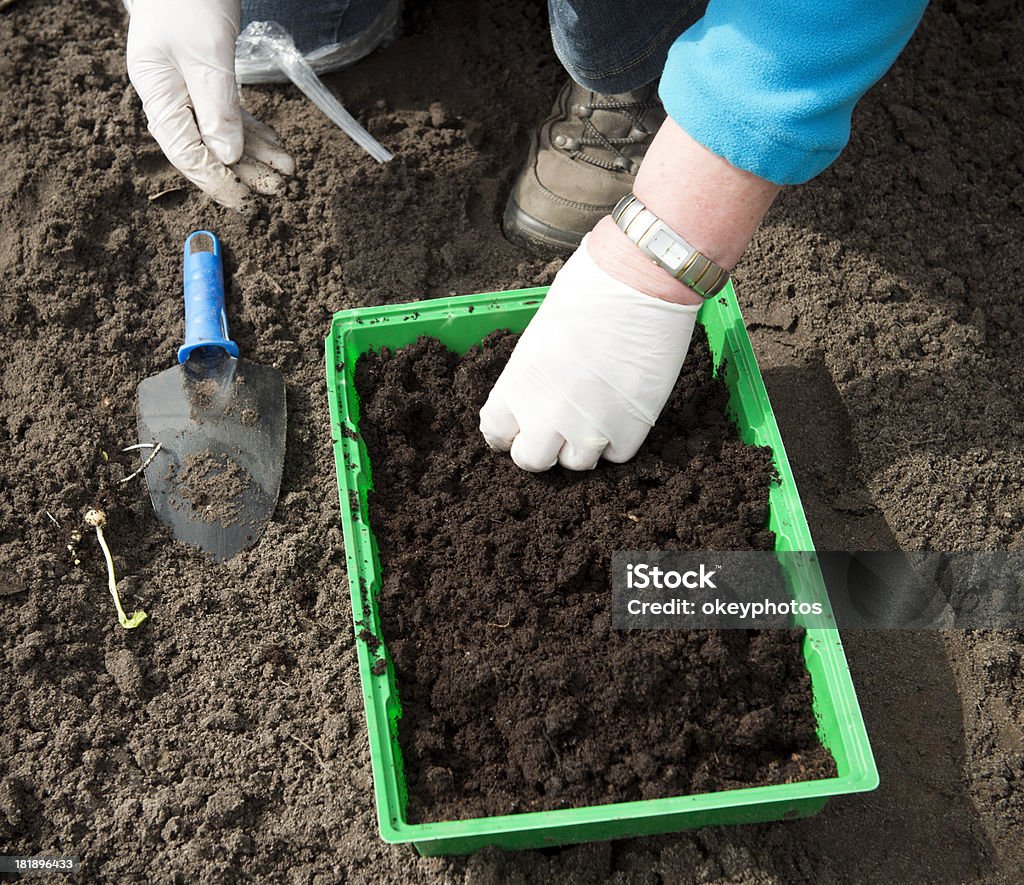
pixel 178 137
pixel 263 144
pixel 218 113
pixel 258 177
pixel 627 444
pixel 256 127
pixel 582 456
pixel 535 449
pixel 497 423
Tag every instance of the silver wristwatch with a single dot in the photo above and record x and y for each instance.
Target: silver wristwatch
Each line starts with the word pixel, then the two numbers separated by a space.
pixel 668 250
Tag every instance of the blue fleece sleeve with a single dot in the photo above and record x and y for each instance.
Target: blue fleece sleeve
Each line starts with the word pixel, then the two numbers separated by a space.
pixel 770 84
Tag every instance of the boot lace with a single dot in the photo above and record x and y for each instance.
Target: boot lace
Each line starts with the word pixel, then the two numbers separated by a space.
pixel 633 111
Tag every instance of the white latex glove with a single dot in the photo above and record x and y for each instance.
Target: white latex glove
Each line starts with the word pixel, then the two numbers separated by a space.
pixel 181 61
pixel 590 374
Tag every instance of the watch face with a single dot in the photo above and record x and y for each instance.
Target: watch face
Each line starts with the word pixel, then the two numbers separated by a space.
pixel 667 249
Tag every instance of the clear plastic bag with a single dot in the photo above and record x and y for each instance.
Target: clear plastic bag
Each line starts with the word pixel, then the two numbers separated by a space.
pixel 254 65
pixel 263 46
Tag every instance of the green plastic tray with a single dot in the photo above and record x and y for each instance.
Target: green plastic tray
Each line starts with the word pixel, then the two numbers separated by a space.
pixel 460 323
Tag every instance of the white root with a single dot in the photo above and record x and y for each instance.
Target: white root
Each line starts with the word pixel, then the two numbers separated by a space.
pixel 156 448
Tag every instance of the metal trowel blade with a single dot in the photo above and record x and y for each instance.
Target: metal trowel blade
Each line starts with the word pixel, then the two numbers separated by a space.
pixel 220 423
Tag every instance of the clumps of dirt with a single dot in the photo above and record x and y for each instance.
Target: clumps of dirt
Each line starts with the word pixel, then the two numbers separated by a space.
pixel 372 642
pixel 232 399
pixel 211 486
pixel 201 394
pixel 517 694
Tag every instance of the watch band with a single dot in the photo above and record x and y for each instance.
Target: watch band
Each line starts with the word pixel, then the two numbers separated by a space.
pixel 668 250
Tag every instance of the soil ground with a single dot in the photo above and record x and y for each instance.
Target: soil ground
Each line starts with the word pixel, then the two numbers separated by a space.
pixel 225 736
pixel 517 694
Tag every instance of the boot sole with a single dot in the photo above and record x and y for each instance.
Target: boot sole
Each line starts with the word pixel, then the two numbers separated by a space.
pixel 525 230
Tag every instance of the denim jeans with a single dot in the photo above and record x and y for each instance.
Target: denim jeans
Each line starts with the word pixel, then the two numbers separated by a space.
pixel 314 24
pixel 611 46
pixel 606 45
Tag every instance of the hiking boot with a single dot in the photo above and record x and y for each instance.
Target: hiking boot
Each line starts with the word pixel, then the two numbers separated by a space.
pixel 583 159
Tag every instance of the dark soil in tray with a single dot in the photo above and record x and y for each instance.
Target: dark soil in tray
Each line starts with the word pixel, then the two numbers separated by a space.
pixel 517 694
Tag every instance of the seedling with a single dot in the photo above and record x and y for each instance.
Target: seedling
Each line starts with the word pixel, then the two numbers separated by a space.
pixel 97 519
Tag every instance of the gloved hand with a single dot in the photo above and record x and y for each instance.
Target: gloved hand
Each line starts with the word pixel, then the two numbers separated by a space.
pixel 181 61
pixel 590 374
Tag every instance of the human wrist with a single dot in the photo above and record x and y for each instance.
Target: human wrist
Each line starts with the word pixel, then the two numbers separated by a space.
pixel 710 203
pixel 619 257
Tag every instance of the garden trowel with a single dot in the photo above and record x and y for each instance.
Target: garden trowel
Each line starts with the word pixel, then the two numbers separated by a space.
pixel 216 423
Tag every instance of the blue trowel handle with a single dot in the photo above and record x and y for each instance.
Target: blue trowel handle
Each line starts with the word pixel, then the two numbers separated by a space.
pixel 206 324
